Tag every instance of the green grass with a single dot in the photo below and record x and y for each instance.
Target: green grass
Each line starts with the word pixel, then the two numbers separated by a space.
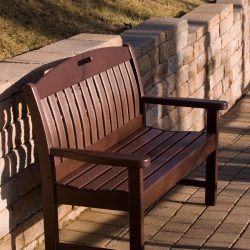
pixel 29 24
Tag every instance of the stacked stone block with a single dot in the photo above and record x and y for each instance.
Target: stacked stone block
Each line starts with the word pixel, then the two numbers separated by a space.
pixel 204 54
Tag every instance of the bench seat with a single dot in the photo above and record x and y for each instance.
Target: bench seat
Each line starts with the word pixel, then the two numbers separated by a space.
pixel 173 154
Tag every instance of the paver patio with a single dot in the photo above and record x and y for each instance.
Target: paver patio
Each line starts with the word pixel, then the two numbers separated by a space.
pixel 180 220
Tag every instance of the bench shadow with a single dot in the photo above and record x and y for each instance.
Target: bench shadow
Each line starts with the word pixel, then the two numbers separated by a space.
pixel 20 173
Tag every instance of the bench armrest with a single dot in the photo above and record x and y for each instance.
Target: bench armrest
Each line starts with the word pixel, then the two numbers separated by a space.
pixel 102 157
pixel 186 102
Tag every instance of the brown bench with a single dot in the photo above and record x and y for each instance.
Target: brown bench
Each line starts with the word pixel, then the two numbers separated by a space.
pixel 95 149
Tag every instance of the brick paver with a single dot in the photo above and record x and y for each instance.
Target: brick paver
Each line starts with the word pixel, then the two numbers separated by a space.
pixel 181 220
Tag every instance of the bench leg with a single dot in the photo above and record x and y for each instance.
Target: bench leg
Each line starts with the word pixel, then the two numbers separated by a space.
pixel 136 225
pixel 50 226
pixel 211 179
pixel 136 209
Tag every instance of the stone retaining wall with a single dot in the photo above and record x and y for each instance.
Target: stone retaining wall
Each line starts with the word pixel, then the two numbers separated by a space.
pixel 204 54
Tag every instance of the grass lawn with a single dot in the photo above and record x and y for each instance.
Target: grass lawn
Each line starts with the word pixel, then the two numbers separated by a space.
pixel 29 24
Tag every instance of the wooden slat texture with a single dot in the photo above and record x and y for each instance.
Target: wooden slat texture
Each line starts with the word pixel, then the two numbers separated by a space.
pixel 51 123
pixel 177 168
pixel 90 111
pixel 58 121
pixel 110 99
pixel 128 148
pixel 128 89
pixel 97 107
pixel 104 104
pixel 77 125
pixel 135 87
pixel 67 119
pixel 84 119
pixel 85 167
pixel 123 94
pixel 69 72
pixel 117 96
pixel 173 146
pixel 115 171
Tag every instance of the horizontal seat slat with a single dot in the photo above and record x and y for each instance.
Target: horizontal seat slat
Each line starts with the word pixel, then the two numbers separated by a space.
pixel 155 143
pixel 175 146
pixel 129 148
pixel 180 158
pixel 122 178
pixel 82 167
pixel 169 175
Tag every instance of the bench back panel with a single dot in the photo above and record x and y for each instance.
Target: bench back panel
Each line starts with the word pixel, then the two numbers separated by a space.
pixel 83 103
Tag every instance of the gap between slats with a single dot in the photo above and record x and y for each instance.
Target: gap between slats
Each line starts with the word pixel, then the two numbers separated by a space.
pixel 118 146
pixel 174 146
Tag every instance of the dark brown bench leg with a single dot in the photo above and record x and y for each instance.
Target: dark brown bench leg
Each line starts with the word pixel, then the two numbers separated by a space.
pixel 50 227
pixel 136 209
pixel 50 210
pixel 212 160
pixel 211 179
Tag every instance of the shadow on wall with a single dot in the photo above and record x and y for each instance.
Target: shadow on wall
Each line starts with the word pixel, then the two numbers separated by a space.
pixel 20 201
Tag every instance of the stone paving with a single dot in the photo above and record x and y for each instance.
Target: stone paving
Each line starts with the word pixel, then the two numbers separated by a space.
pixel 180 220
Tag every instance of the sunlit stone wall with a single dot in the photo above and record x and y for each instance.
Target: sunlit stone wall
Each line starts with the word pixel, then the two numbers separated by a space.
pixel 204 54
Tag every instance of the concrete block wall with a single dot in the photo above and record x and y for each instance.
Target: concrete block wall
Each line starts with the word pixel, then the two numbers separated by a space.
pixel 204 54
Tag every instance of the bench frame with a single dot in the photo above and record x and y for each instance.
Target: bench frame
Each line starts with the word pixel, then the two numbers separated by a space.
pixel 136 200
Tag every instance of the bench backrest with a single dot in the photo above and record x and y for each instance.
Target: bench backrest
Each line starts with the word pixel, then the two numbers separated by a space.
pixel 86 98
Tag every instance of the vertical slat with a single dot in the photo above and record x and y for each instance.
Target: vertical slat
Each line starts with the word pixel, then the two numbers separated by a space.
pixel 69 125
pixel 128 89
pixel 110 100
pixel 76 118
pixel 51 123
pixel 123 94
pixel 104 104
pixel 58 120
pixel 97 107
pixel 135 87
pixel 83 115
pixel 117 96
pixel 90 111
